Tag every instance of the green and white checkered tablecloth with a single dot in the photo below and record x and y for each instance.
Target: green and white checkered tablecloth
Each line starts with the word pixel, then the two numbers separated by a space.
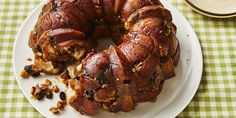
pixel 216 95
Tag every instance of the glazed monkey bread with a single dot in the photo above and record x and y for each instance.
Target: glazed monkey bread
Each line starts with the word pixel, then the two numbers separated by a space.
pixel 117 78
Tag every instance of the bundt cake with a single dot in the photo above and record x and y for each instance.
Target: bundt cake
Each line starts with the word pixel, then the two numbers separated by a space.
pixel 115 79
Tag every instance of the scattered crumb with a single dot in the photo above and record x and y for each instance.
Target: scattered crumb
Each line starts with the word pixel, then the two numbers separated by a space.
pixel 65 82
pixel 55 89
pixel 65 75
pixel 29 59
pixel 61 104
pixel 24 74
pixel 47 82
pixel 32 90
pixel 54 110
pixel 43 90
pixel 55 80
pixel 187 60
pixel 40 91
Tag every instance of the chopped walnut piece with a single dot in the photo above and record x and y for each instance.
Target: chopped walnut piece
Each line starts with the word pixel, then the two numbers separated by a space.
pixel 137 67
pixel 54 110
pixel 38 92
pixel 74 84
pixel 24 74
pixel 65 75
pixel 61 104
pixel 41 91
pixel 55 89
pixel 65 82
pixel 32 90
pixel 47 82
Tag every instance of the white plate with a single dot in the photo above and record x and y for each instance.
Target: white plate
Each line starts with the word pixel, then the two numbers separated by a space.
pixel 175 96
pixel 214 8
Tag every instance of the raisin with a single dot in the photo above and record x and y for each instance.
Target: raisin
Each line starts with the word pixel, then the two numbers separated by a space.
pixel 89 94
pixel 163 59
pixel 78 78
pixel 107 67
pixel 48 94
pixel 101 79
pixel 32 90
pixel 40 95
pixel 54 7
pixel 35 74
pixel 51 40
pixel 93 50
pixel 85 72
pixel 29 69
pixel 39 49
pixel 134 64
pixel 127 81
pixel 122 30
pixel 62 96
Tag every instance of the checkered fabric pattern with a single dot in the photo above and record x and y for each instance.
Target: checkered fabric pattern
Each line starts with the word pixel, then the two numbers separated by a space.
pixel 216 96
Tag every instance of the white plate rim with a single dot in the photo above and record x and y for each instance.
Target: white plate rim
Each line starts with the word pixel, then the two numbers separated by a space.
pixel 207 13
pixel 198 54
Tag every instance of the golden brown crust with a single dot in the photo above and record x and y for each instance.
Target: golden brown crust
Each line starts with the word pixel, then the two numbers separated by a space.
pixel 176 56
pixel 88 8
pixel 167 69
pixel 132 5
pixel 151 11
pixel 83 105
pixel 118 4
pixel 108 11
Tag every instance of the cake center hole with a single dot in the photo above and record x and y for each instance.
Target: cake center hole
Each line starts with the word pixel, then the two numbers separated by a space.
pixel 104 44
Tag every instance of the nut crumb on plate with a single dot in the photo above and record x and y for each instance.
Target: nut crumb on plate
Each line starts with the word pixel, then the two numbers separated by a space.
pixel 54 110
pixel 24 74
pixel 29 59
pixel 47 82
pixel 61 104
pixel 55 89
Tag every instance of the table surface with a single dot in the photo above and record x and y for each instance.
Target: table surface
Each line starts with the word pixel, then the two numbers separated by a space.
pixel 216 95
